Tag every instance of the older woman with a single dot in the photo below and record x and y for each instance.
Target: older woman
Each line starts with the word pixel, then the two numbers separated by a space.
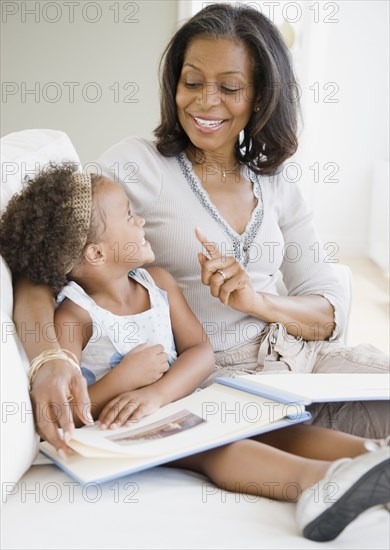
pixel 228 122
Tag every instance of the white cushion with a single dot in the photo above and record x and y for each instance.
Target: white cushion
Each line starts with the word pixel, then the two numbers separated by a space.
pixel 161 508
pixel 18 437
pixel 24 152
pixel 7 302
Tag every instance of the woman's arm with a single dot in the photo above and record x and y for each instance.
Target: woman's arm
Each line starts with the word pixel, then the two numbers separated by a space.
pixel 310 317
pixel 56 380
pixel 194 364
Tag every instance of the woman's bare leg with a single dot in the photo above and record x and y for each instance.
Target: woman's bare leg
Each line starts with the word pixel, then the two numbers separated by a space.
pixel 251 467
pixel 315 442
pixel 329 494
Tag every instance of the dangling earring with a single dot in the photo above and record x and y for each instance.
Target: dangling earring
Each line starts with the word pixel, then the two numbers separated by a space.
pixel 241 137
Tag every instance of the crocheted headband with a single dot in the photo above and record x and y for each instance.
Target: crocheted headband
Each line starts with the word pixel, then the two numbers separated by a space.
pixel 81 204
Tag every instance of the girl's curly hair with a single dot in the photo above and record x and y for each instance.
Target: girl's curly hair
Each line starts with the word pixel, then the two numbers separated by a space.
pixel 37 229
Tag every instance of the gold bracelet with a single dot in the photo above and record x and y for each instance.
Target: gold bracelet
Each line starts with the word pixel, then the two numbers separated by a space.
pixel 51 355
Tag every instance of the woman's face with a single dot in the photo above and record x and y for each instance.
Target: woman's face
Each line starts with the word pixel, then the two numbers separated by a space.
pixel 215 94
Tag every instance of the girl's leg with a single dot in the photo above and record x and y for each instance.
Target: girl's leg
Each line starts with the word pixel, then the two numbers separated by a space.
pixel 315 442
pixel 251 467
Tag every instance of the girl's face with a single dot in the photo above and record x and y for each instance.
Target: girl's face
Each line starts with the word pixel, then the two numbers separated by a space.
pixel 215 95
pixel 123 237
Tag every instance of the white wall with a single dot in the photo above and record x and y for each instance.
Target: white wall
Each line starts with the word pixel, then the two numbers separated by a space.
pixel 110 50
pixel 349 53
pixel 351 57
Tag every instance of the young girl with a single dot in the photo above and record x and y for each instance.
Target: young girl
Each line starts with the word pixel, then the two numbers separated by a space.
pixel 81 228
pixel 141 347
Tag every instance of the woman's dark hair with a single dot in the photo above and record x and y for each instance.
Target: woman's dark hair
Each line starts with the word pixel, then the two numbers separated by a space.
pixel 37 229
pixel 270 135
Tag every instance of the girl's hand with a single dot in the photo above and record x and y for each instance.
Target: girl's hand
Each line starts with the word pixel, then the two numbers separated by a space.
pixel 142 366
pixel 129 407
pixel 53 385
pixel 233 286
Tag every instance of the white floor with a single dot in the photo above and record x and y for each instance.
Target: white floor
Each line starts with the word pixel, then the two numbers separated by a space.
pixel 370 304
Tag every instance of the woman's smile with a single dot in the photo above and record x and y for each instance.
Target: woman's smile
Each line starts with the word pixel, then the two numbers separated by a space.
pixel 208 125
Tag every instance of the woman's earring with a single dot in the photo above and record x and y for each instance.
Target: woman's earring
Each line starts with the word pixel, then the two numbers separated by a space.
pixel 241 138
pixel 257 109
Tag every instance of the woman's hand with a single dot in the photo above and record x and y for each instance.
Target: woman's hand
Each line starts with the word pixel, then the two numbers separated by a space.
pixel 226 277
pixel 129 407
pixel 310 317
pixel 53 385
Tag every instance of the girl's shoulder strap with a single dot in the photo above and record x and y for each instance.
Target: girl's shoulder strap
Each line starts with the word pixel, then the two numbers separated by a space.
pixel 74 292
pixel 142 276
pixel 145 279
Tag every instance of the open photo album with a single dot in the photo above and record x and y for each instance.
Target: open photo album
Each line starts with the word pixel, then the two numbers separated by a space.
pixel 228 410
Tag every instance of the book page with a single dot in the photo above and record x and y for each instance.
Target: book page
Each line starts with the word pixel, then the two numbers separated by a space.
pixel 204 417
pixel 315 388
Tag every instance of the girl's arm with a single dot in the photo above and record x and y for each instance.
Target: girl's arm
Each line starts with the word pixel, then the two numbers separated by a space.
pixel 141 366
pixel 194 364
pixel 195 360
pixel 56 380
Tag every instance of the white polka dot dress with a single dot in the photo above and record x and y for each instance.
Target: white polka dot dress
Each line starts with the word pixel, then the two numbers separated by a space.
pixel 113 336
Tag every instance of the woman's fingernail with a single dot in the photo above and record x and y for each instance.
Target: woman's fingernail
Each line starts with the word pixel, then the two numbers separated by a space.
pixel 67 437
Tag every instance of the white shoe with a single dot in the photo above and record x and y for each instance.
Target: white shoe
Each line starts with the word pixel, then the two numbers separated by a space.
pixel 374 446
pixel 349 487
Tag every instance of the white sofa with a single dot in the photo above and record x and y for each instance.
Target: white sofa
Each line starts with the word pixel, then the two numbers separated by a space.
pixel 160 508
